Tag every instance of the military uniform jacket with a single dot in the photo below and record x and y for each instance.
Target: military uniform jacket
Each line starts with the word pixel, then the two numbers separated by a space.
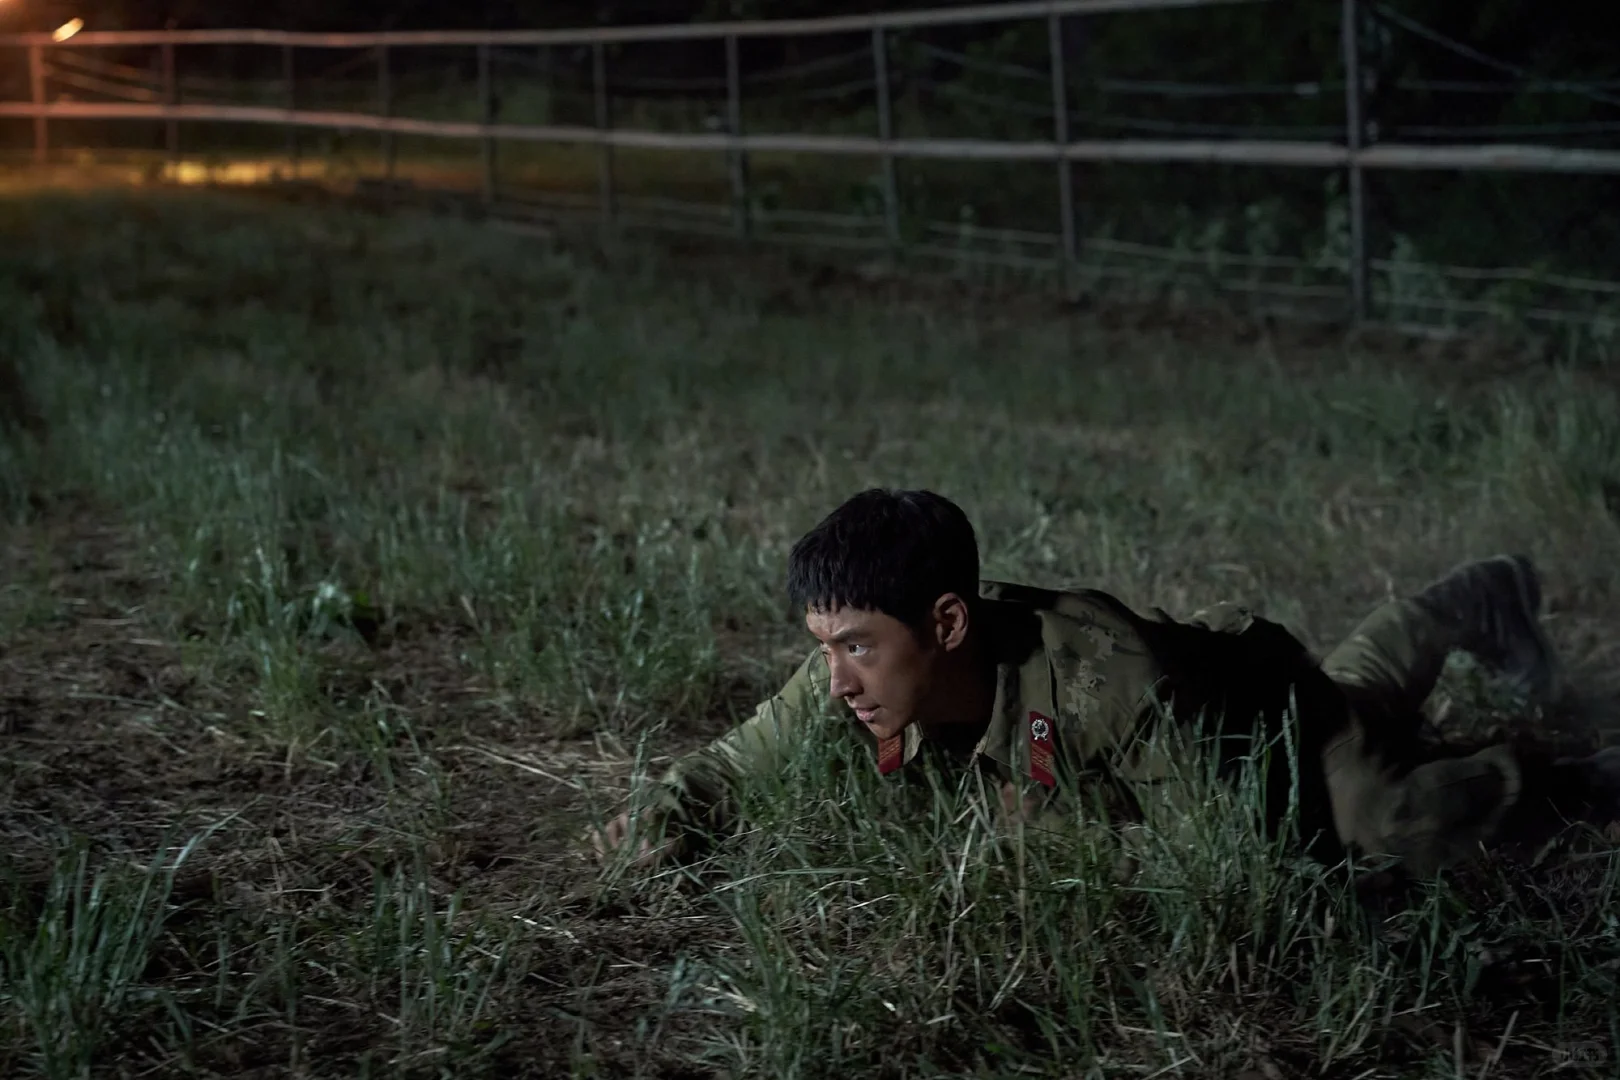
pixel 1083 684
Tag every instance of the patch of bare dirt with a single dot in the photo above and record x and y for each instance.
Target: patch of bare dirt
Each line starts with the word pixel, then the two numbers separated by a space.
pixel 112 735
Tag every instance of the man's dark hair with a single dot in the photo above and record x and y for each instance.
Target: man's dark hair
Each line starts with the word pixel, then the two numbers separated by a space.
pixel 891 551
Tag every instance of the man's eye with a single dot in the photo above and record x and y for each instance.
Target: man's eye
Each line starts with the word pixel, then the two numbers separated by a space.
pixel 857 650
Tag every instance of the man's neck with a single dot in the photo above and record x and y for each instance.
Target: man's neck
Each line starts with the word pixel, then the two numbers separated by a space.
pixel 967 700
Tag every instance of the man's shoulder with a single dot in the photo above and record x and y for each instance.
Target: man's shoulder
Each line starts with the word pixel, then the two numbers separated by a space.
pixel 1064 623
pixel 1068 611
pixel 1060 608
pixel 811 676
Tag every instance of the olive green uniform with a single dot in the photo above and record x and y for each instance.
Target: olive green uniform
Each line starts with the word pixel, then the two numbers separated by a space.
pixel 1091 694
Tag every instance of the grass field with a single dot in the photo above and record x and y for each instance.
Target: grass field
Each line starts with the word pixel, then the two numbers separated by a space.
pixel 369 558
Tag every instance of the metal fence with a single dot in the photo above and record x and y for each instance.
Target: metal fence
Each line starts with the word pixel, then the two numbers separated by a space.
pixel 124 92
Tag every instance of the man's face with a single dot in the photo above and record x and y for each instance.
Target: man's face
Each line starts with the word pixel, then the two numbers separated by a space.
pixel 879 666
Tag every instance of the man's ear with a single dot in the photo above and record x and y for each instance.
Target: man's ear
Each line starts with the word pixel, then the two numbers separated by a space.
pixel 950 621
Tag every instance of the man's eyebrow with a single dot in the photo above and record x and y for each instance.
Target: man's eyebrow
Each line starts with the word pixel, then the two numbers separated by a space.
pixel 846 635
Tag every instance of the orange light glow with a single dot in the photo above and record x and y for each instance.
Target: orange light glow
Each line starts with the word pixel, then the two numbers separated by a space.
pixel 67 29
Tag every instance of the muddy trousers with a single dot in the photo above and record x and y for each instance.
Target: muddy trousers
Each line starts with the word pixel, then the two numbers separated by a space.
pixel 1389 796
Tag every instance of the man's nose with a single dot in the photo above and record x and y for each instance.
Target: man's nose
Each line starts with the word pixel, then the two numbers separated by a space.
pixel 843 683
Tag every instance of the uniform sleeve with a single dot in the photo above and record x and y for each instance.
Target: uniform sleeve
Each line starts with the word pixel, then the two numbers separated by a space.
pixel 698 791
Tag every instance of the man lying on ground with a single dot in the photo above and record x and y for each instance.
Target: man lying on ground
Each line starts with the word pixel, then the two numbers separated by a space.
pixel 1046 694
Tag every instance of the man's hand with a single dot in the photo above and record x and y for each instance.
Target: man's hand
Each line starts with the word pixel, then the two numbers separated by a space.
pixel 612 836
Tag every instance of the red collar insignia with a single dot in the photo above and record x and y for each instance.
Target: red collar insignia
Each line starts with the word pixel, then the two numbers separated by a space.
pixel 891 753
pixel 1040 749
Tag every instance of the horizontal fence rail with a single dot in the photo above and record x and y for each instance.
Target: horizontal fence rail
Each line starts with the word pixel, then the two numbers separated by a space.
pixel 1493 156
pixel 615 35
pixel 156 94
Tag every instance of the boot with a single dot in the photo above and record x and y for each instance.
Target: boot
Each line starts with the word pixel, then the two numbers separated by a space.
pixel 1493 607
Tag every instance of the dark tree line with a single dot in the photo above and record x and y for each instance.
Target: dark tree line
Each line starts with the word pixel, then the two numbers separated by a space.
pixel 1258 43
pixel 1553 40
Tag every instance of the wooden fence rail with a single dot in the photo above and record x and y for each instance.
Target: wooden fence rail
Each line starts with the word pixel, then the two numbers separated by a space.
pixel 1353 154
pixel 616 35
pixel 1261 152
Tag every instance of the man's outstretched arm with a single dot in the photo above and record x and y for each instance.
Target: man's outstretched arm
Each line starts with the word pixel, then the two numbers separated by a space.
pixel 698 792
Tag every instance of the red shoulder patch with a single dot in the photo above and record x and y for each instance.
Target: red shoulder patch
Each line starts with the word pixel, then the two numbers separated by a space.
pixel 1040 749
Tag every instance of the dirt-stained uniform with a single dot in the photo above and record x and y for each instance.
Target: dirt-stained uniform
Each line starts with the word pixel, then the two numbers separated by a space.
pixel 1090 694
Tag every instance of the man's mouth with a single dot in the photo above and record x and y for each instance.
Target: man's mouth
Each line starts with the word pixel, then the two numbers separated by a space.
pixel 865 715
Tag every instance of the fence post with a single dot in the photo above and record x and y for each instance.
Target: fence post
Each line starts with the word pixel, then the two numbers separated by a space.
pixel 385 108
pixel 734 126
pixel 171 96
pixel 1060 134
pixel 290 75
pixel 36 83
pixel 1351 40
pixel 604 121
pixel 486 112
pixel 891 195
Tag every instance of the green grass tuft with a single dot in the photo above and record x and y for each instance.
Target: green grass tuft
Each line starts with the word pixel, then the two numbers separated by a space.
pixel 400 545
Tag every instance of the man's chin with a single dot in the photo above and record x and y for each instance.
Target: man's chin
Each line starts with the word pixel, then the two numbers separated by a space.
pixel 885 729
